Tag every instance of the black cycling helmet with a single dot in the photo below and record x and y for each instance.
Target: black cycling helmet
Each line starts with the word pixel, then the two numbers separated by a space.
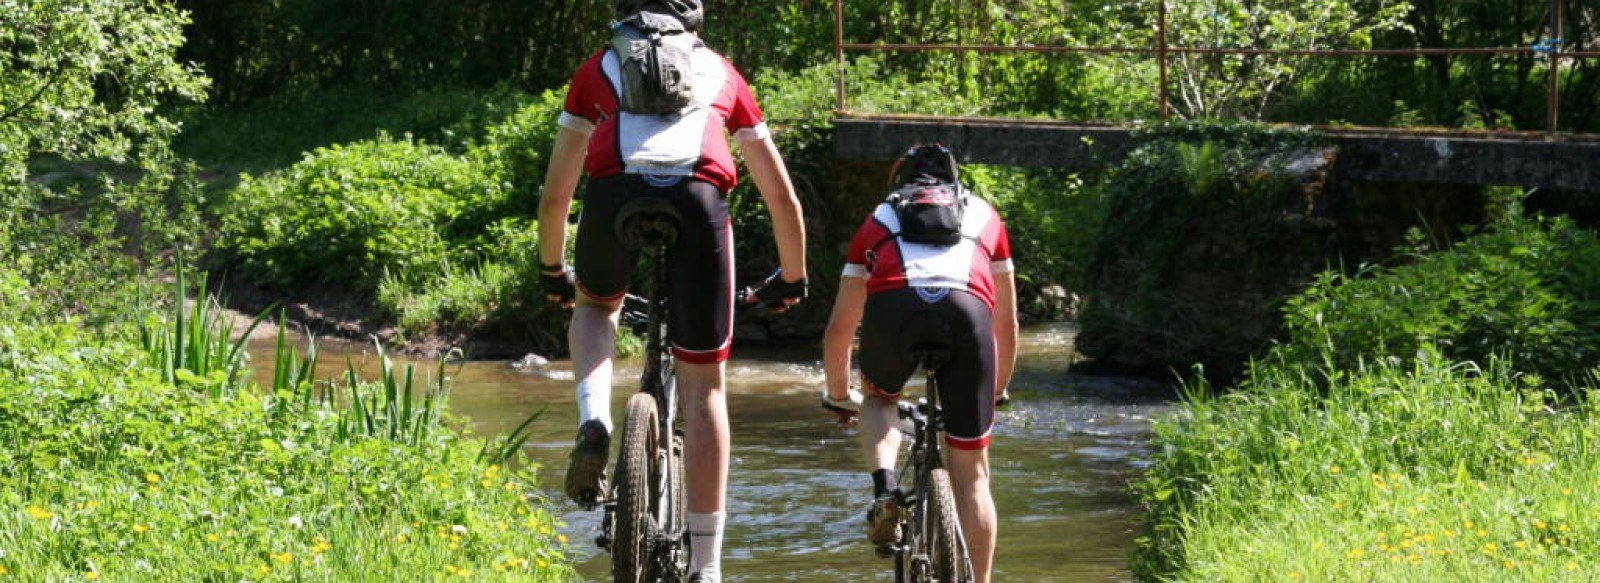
pixel 689 12
pixel 925 160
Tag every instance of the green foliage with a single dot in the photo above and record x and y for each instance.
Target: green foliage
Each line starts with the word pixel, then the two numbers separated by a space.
pixel 80 80
pixel 192 347
pixel 1225 86
pixel 1430 470
pixel 1195 250
pixel 115 473
pixel 276 132
pixel 1527 290
pixel 350 213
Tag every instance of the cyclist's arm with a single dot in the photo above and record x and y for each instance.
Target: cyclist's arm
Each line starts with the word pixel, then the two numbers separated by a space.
pixel 841 333
pixel 788 221
pixel 1005 327
pixel 560 180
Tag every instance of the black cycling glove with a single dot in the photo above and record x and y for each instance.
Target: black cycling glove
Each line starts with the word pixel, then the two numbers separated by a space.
pixel 557 283
pixel 774 290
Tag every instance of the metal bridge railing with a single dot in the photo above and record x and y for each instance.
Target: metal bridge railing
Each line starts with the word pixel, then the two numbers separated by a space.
pixel 1549 47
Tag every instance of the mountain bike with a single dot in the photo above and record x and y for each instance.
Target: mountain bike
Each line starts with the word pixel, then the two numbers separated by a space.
pixel 931 547
pixel 645 524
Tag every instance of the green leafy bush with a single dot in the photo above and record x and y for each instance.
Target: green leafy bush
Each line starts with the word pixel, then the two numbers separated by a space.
pixel 351 213
pixel 1195 250
pixel 1527 290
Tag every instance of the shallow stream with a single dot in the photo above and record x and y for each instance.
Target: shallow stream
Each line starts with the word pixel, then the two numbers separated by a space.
pixel 1062 456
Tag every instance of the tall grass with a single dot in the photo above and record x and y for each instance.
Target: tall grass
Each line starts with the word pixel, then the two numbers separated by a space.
pixel 120 473
pixel 1432 470
pixel 194 345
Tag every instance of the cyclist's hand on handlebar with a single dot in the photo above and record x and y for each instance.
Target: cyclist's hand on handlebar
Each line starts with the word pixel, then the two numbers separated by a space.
pixel 846 410
pixel 557 283
pixel 776 293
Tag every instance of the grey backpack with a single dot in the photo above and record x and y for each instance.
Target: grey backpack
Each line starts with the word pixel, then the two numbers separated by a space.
pixel 655 51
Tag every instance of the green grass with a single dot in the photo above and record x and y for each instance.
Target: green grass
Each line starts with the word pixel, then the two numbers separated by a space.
pixel 117 469
pixel 1431 471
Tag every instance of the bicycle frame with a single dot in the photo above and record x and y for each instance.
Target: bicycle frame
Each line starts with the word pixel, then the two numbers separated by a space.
pixel 912 560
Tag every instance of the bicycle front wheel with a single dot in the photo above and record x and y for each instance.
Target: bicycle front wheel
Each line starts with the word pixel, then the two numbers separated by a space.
pixel 944 548
pixel 637 470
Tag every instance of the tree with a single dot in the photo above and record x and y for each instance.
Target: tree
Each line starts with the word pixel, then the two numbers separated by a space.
pixel 1222 86
pixel 84 79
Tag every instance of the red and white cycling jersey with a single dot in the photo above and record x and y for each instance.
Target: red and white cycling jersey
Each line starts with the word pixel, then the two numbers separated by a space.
pixel 888 262
pixel 694 143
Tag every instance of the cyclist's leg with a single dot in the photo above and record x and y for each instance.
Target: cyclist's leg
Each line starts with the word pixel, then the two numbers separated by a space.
pixel 969 478
pixel 702 331
pixel 966 383
pixel 884 371
pixel 603 269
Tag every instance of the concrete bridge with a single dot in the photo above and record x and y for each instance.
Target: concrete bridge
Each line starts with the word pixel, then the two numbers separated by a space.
pixel 1529 159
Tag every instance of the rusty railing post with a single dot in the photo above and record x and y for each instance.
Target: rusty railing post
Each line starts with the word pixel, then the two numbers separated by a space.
pixel 1161 57
pixel 1553 61
pixel 838 53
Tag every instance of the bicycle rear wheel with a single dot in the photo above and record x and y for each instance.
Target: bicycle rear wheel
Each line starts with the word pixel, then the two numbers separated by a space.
pixel 637 470
pixel 944 546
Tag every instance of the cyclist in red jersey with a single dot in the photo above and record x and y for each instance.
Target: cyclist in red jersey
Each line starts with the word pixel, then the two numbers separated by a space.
pixel 887 282
pixel 684 159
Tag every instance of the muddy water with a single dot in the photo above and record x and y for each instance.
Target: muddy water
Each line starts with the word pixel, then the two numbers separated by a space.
pixel 1062 456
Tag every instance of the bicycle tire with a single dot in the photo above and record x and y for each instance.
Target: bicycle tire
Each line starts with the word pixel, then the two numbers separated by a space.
pixel 636 471
pixel 944 549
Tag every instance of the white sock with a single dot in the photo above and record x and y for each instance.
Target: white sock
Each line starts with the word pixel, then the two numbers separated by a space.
pixel 594 401
pixel 705 545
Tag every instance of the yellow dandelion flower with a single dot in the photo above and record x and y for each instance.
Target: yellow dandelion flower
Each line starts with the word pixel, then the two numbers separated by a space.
pixel 1414 559
pixel 94 504
pixel 264 569
pixel 402 538
pixel 4 570
pixel 501 525
pixel 562 538
pixel 91 575
pixel 152 478
pixel 455 546
pixel 1337 506
pixel 1561 528
pixel 1549 541
pixel 464 573
pixel 1520 544
pixel 1294 574
pixel 509 487
pixel 486 483
pixel 1483 533
pixel 1449 533
pixel 140 528
pixel 518 562
pixel 1490 548
pixel 1468 524
pixel 1540 524
pixel 543 563
pixel 1395 559
pixel 1571 565
pixel 1566 491
pixel 1334 469
pixel 213 537
pixel 1355 553
pixel 40 513
pixel 450 569
pixel 283 557
pixel 1509 564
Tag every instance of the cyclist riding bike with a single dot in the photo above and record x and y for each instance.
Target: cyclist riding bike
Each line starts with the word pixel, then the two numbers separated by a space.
pixel 684 159
pixel 889 281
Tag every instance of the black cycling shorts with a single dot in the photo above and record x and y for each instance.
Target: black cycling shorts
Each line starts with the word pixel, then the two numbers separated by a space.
pixel 700 271
pixel 897 320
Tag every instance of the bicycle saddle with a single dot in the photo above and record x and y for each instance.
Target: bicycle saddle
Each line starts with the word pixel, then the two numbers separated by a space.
pixel 925 338
pixel 645 222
